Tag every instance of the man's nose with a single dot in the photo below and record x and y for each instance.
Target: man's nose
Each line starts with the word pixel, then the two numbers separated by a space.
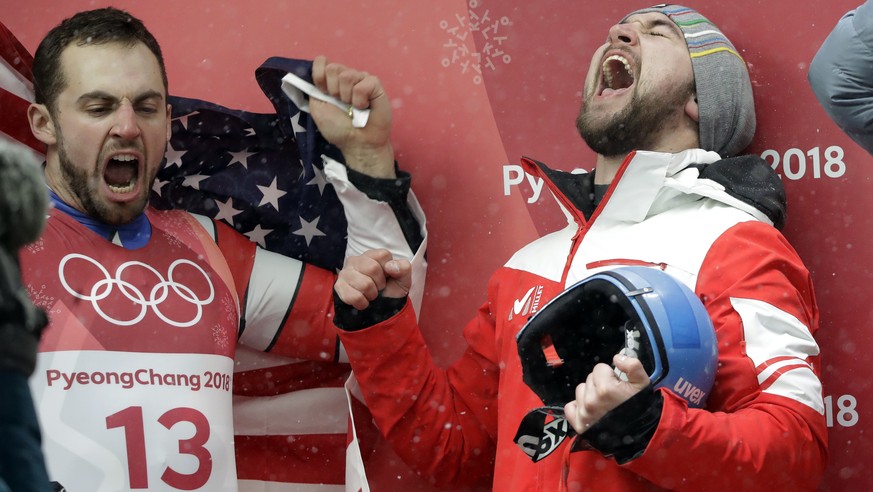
pixel 126 125
pixel 625 33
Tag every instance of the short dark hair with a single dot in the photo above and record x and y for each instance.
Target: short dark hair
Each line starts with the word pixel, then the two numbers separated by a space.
pixel 98 26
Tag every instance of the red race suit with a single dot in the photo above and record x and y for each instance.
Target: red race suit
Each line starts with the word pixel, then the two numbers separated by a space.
pixel 135 373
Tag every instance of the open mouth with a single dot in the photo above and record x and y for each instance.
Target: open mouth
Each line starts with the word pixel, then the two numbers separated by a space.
pixel 121 173
pixel 617 74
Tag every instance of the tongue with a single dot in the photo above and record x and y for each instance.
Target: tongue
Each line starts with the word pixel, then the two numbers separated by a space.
pixel 119 173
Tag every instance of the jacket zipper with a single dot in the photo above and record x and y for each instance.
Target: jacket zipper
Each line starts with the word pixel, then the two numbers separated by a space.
pixel 583 225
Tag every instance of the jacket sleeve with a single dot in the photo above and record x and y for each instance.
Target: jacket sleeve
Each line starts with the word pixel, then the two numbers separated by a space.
pixel 764 426
pixel 442 423
pixel 841 75
pixel 382 215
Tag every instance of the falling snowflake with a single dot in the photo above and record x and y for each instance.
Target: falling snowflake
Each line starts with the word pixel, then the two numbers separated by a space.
pixel 490 34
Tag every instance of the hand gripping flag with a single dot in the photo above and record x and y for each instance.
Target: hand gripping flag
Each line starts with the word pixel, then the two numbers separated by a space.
pixel 260 173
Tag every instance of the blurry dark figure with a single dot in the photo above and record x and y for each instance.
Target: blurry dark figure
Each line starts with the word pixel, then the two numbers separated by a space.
pixel 23 205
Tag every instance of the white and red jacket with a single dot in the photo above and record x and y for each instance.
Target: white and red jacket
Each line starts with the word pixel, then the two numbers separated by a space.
pixel 709 226
pixel 135 373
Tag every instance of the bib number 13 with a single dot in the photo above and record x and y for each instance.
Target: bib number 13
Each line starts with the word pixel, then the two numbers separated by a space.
pixel 131 420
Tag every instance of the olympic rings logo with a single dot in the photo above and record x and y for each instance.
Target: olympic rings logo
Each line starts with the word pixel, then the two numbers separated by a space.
pixel 158 294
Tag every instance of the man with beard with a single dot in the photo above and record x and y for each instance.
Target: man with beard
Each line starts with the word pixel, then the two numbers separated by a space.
pixel 133 377
pixel 667 106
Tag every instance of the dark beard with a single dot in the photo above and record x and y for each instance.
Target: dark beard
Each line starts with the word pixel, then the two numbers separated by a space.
pixel 77 180
pixel 636 127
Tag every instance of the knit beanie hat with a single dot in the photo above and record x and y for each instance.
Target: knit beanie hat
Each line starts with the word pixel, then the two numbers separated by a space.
pixel 724 90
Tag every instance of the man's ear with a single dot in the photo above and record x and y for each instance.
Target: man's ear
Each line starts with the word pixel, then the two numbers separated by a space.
pixel 692 109
pixel 41 124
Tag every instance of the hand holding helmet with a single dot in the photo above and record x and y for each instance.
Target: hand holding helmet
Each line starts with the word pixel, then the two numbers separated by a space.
pixel 651 326
pixel 604 389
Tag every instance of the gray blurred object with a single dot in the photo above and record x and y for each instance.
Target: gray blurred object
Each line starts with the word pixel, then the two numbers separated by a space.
pixel 23 207
pixel 23 197
pixel 841 75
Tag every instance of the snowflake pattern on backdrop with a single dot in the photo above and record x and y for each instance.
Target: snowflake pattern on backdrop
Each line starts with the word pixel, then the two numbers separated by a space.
pixel 490 33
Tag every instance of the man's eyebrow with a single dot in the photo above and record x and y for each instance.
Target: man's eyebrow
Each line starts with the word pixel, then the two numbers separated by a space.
pixel 107 97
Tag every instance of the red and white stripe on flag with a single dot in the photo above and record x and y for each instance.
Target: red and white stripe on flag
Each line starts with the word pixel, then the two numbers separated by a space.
pixel 16 91
pixel 356 476
pixel 291 420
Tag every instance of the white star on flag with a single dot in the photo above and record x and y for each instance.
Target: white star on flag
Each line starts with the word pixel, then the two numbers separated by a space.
pixel 318 179
pixel 226 211
pixel 257 235
pixel 184 119
pixel 295 124
pixel 272 194
pixel 174 157
pixel 241 157
pixel 193 181
pixel 157 185
pixel 309 229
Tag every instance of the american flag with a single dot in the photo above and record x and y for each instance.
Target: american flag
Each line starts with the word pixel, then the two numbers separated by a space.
pixel 260 173
pixel 16 91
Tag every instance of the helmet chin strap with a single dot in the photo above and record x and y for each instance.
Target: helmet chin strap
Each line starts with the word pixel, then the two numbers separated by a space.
pixel 538 438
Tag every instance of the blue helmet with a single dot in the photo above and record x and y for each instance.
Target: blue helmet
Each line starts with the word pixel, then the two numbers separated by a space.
pixel 639 311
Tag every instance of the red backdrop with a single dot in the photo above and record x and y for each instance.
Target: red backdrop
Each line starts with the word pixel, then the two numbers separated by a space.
pixel 478 83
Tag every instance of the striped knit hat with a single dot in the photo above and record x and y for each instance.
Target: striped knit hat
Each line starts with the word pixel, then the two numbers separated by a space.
pixel 724 90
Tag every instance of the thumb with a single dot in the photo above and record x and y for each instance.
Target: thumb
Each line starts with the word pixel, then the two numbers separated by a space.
pixel 633 368
pixel 399 276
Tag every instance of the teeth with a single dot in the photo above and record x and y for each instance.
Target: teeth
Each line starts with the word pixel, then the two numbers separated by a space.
pixel 607 72
pixel 123 189
pixel 124 158
pixel 618 58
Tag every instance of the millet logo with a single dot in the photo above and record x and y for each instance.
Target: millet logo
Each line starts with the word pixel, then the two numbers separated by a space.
pixel 528 304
